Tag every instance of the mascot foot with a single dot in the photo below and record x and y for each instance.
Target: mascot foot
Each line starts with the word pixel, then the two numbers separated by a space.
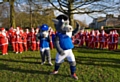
pixel 54 72
pixel 50 64
pixel 74 76
pixel 42 63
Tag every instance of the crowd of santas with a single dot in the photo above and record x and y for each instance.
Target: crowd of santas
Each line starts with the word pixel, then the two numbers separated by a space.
pixel 20 40
pixel 97 39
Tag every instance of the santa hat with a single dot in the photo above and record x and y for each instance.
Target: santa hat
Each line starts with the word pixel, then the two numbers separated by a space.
pixel 37 29
pixel 2 29
pixel 18 28
pixel 11 27
pixel 32 30
pixel 93 32
pixel 27 29
pixel 110 32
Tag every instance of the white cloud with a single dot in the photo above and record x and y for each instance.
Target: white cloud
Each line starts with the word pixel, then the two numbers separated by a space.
pixel 84 18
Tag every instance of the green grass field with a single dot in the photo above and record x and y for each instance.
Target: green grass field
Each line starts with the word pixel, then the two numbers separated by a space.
pixel 92 66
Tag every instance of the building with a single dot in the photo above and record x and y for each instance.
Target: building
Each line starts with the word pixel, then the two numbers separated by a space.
pixel 109 20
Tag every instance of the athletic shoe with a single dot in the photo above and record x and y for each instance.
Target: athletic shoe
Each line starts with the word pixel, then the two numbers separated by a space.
pixel 74 76
pixel 42 63
pixel 6 53
pixel 50 64
pixel 54 72
pixel 16 52
pixel 3 54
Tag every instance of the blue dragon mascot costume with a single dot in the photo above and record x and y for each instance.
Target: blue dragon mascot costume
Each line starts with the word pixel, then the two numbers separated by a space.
pixel 45 41
pixel 63 43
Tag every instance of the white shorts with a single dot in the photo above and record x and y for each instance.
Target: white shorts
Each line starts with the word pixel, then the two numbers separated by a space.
pixel 43 49
pixel 68 54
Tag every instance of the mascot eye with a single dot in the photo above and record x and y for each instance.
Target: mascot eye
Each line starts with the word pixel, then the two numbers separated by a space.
pixel 65 24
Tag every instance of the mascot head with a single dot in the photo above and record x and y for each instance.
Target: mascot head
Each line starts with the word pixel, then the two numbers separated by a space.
pixel 44 30
pixel 62 24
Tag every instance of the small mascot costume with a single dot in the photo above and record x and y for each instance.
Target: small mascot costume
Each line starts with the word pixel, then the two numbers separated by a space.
pixel 63 43
pixel 45 40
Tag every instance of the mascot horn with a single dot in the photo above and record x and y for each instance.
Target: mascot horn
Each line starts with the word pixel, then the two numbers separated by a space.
pixel 63 43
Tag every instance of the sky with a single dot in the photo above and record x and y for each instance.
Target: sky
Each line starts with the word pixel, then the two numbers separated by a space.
pixel 87 19
pixel 84 18
pixel 1 0
pixel 81 17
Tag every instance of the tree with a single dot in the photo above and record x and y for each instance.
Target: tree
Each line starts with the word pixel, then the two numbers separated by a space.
pixel 25 14
pixel 70 7
pixel 12 14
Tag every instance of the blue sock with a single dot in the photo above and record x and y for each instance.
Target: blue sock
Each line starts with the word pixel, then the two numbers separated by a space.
pixel 72 69
pixel 56 67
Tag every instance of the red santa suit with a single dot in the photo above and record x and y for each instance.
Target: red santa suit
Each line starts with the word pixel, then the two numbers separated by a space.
pixel 12 39
pixel 87 38
pixel 10 32
pixel 4 41
pixel 37 41
pixel 73 39
pixel 92 39
pixel 18 41
pixel 77 35
pixel 76 39
pixel 97 33
pixel 111 41
pixel 33 39
pixel 81 38
pixel 102 37
pixel 51 33
pixel 116 39
pixel 28 39
pixel 24 38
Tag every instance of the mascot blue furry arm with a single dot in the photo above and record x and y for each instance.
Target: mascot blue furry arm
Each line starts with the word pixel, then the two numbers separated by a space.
pixel 45 40
pixel 63 43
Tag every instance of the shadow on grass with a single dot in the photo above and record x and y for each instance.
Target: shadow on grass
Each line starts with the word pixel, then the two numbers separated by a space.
pixel 95 51
pixel 103 62
pixel 31 58
pixel 6 67
pixel 10 60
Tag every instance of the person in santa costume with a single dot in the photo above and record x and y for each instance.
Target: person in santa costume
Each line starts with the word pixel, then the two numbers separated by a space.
pixel 92 39
pixel 87 38
pixel 4 41
pixel 51 33
pixel 73 39
pixel 28 38
pixel 18 41
pixel 81 38
pixel 76 38
pixel 10 32
pixel 37 40
pixel 53 36
pixel 97 33
pixel 24 39
pixel 33 39
pixel 102 37
pixel 12 38
pixel 116 39
pixel 110 40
